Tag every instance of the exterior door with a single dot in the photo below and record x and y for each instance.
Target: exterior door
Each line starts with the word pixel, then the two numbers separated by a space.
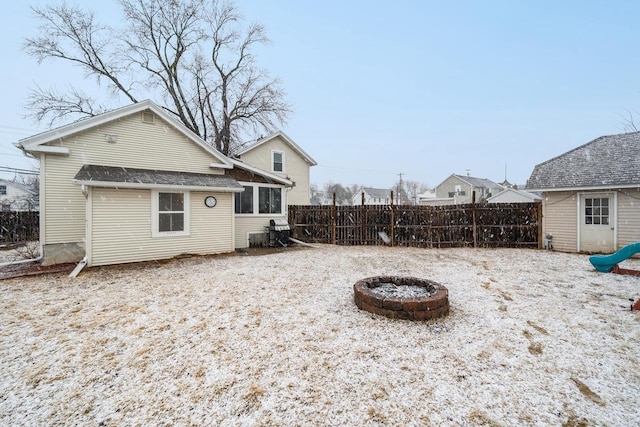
pixel 597 222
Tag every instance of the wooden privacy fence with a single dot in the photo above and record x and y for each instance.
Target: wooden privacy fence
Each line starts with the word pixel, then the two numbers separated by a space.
pixel 19 226
pixel 476 225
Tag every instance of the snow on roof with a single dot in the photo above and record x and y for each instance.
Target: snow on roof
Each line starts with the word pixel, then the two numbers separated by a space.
pixel 607 161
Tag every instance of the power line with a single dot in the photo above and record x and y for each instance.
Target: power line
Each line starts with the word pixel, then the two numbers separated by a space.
pixel 18 170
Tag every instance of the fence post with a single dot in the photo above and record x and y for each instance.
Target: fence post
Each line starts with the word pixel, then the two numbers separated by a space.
pixel 392 228
pixel 363 221
pixel 333 220
pixel 539 218
pixel 473 216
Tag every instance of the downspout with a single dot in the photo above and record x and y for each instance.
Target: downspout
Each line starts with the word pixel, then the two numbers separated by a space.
pixel 85 259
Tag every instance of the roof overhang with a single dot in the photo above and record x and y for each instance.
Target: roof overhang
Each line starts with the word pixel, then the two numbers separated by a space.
pixel 258 171
pixel 119 177
pixel 583 188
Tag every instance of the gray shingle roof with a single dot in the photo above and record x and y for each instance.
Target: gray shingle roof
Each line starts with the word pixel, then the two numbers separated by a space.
pixel 378 193
pixel 110 174
pixel 608 161
pixel 479 182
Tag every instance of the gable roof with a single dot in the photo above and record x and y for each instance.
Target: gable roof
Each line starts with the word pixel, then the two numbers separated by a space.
pixel 526 194
pixel 37 143
pixel 610 161
pixel 376 193
pixel 286 139
pixel 478 182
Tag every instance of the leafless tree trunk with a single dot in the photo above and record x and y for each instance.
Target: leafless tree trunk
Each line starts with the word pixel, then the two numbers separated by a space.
pixel 193 56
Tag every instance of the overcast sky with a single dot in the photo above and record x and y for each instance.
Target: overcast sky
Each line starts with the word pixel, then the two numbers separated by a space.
pixel 422 88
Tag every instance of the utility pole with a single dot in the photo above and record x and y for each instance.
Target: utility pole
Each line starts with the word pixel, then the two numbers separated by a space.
pixel 399 187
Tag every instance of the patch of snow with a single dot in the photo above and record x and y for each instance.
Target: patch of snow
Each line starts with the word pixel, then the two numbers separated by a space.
pixel 532 338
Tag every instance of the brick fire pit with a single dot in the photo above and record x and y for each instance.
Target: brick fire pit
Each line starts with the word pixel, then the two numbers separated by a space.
pixel 406 298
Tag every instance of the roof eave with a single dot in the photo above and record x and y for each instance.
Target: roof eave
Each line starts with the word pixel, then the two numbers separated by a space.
pixel 582 188
pixel 147 186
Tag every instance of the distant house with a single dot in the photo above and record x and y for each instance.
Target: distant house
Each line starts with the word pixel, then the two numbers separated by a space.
pixel 281 156
pixel 134 184
pixel 459 189
pixel 17 197
pixel 591 195
pixel 514 195
pixel 372 196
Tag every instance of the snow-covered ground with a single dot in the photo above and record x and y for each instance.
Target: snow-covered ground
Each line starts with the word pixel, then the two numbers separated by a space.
pixel 533 338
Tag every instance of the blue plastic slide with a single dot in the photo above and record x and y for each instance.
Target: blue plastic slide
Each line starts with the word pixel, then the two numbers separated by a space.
pixel 605 263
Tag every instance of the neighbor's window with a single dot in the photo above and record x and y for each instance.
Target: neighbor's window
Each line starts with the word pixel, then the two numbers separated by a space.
pixel 596 211
pixel 278 161
pixel 3 190
pixel 269 200
pixel 170 213
pixel 244 201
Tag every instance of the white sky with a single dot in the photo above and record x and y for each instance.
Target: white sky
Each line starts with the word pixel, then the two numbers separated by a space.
pixel 415 87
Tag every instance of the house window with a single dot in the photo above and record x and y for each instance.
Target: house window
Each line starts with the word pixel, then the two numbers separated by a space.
pixel 3 190
pixel 244 201
pixel 278 161
pixel 596 211
pixel 170 212
pixel 269 200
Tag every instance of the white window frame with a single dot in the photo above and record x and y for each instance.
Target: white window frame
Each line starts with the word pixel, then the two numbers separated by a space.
pixel 256 207
pixel 155 222
pixel 273 161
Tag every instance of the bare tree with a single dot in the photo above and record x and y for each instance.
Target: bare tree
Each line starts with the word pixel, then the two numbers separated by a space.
pixel 193 55
pixel 414 188
pixel 630 124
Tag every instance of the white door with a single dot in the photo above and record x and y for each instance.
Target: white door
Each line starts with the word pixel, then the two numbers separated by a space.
pixel 597 222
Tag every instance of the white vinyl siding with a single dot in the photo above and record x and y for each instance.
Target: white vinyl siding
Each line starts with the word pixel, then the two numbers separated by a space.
pixel 628 223
pixel 124 235
pixel 137 146
pixel 560 219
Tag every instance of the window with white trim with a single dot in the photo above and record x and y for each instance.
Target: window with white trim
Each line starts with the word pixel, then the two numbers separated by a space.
pixel 3 190
pixel 277 161
pixel 596 211
pixel 244 201
pixel 259 200
pixel 170 213
pixel 270 200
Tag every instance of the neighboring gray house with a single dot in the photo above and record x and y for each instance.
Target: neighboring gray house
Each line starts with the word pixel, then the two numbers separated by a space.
pixel 591 195
pixel 17 197
pixel 514 195
pixel 458 189
pixel 372 196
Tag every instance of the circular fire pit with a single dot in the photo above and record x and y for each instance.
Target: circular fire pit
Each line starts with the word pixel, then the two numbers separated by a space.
pixel 406 298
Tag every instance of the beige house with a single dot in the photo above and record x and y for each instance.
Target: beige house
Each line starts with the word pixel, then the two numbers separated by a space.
pixel 591 195
pixel 281 156
pixel 134 184
pixel 514 195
